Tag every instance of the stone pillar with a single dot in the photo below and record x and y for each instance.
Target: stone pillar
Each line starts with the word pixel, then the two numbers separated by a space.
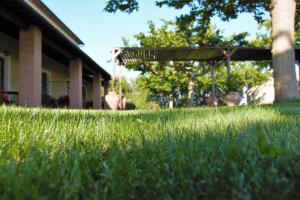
pixel 75 72
pixel 30 67
pixel 97 99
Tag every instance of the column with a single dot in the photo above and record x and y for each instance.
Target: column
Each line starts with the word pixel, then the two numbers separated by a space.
pixel 228 67
pixel 30 67
pixel 75 72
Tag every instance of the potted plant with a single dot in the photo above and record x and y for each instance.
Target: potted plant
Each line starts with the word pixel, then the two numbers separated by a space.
pixel 112 98
pixel 212 101
pixel 233 98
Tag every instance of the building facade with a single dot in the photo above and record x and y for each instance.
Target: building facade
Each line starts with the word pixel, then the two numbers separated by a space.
pixel 41 62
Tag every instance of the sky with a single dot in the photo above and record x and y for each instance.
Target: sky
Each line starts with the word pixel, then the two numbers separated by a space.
pixel 101 31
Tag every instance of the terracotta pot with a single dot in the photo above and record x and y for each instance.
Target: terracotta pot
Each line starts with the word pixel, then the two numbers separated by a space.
pixel 212 101
pixel 112 100
pixel 233 99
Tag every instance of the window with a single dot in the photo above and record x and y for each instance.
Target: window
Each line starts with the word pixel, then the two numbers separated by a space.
pixel 1 73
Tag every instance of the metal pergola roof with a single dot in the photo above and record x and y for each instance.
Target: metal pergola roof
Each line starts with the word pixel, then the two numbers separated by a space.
pixel 144 55
pixel 139 55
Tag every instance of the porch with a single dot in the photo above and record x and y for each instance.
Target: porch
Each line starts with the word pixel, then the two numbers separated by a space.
pixel 39 66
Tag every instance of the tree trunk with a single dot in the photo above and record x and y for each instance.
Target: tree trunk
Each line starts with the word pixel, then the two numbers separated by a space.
pixel 213 79
pixel 283 53
pixel 228 68
pixel 171 101
pixel 191 91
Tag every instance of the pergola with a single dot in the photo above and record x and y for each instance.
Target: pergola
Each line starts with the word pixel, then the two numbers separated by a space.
pixel 144 55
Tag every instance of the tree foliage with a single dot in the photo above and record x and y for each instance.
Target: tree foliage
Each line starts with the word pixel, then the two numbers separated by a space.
pixel 163 79
pixel 123 5
pixel 114 85
pixel 201 11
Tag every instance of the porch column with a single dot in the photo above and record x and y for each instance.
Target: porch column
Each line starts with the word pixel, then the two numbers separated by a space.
pixel 30 67
pixel 228 67
pixel 75 71
pixel 97 101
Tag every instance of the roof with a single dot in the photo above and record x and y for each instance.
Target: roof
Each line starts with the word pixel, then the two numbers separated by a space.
pixel 29 15
pixel 43 10
pixel 139 55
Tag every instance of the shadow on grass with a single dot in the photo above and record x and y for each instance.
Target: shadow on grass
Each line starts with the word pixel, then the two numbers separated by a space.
pixel 181 163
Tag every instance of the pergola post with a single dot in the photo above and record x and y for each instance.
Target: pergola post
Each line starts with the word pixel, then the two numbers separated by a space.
pixel 115 53
pixel 228 67
pixel 228 53
pixel 120 89
pixel 114 63
pixel 213 79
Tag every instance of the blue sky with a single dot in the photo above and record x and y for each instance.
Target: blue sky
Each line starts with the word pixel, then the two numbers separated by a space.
pixel 102 31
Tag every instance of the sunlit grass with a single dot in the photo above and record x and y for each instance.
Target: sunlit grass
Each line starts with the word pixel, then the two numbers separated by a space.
pixel 241 152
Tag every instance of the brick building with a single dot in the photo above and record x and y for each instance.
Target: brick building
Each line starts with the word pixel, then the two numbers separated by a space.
pixel 41 60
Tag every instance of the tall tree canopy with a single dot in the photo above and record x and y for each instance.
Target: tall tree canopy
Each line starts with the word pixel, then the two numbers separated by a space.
pixel 284 16
pixel 203 10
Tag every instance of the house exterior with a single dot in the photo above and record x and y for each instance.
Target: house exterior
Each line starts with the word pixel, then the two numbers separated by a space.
pixel 41 62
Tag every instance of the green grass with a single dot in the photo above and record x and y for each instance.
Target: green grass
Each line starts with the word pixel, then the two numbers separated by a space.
pixel 224 153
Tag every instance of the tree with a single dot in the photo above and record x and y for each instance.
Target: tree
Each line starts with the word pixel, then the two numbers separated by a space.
pixel 164 82
pixel 164 79
pixel 180 72
pixel 139 97
pixel 283 13
pixel 180 79
pixel 114 85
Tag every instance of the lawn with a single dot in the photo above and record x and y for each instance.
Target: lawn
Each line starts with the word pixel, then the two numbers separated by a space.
pixel 201 153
